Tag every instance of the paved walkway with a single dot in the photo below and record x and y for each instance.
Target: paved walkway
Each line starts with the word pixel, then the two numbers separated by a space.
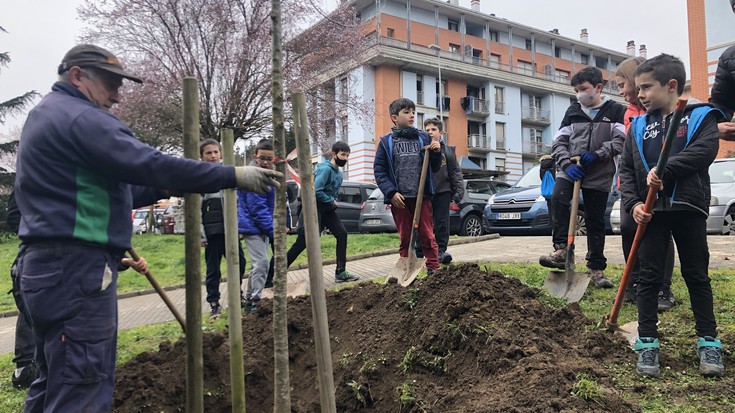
pixel 149 309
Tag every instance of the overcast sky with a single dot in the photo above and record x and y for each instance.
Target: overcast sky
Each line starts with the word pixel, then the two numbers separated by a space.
pixel 41 31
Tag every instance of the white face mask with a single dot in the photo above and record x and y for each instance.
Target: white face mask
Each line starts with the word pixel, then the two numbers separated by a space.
pixel 586 99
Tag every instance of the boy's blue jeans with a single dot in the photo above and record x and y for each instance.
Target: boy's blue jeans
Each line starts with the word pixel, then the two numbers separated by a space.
pixel 689 229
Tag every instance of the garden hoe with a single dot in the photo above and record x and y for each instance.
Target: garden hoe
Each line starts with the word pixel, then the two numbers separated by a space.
pixel 569 284
pixel 610 322
pixel 407 268
pixel 134 255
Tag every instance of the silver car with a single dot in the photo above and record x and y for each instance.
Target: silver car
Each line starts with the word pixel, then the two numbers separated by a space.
pixel 722 204
pixel 375 216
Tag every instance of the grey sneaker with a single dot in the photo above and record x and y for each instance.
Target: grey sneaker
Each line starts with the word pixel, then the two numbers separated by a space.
pixel 556 259
pixel 666 301
pixel 344 276
pixel 647 364
pixel 710 357
pixel 214 311
pixel 598 277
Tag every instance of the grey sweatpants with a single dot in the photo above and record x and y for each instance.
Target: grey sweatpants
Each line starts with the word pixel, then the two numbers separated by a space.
pixel 258 246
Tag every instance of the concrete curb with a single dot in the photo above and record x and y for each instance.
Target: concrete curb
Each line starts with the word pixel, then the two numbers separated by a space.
pixel 455 241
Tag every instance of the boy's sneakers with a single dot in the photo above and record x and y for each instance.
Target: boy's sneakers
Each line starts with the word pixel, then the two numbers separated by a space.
pixel 249 306
pixel 214 310
pixel 344 276
pixel 430 272
pixel 598 277
pixel 24 376
pixel 710 357
pixel 631 294
pixel 665 301
pixel 556 259
pixel 647 349
pixel 445 258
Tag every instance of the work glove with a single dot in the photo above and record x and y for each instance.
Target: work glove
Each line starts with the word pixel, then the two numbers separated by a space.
pixel 574 171
pixel 588 158
pixel 256 179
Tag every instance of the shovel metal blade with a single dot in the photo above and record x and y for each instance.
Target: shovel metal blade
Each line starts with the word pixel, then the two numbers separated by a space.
pixel 567 285
pixel 407 269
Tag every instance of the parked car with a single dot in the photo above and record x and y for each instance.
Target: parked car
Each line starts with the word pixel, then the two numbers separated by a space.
pixel 522 210
pixel 465 218
pixel 140 219
pixel 350 198
pixel 375 215
pixel 615 217
pixel 722 204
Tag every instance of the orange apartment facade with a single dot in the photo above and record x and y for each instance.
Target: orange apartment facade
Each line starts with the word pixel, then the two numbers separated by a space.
pixel 505 85
pixel 711 31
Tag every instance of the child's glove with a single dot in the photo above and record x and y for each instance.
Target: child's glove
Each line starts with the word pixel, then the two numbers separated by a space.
pixel 256 179
pixel 588 158
pixel 574 171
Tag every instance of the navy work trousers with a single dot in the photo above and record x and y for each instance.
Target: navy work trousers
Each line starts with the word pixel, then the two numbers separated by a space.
pixel 70 292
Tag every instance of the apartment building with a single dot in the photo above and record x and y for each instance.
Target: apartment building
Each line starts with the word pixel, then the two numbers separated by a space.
pixel 502 87
pixel 711 31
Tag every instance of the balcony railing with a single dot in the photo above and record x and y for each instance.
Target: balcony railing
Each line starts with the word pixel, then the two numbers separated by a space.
pixel 533 113
pixel 500 107
pixel 473 105
pixel 475 140
pixel 534 148
pixel 500 143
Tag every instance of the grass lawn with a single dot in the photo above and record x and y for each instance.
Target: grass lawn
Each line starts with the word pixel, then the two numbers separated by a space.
pixel 165 256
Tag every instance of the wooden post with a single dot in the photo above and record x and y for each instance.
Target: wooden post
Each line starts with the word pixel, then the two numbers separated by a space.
pixel 193 240
pixel 314 251
pixel 234 316
pixel 281 385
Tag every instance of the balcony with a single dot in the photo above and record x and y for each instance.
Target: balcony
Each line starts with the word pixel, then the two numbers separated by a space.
pixel 445 103
pixel 500 144
pixel 534 149
pixel 475 106
pixel 500 108
pixel 479 143
pixel 535 115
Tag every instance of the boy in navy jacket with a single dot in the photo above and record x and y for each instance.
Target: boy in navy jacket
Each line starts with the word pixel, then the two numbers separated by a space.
pixel 397 168
pixel 681 207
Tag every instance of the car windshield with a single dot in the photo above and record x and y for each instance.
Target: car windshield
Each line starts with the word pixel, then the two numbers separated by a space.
pixel 375 194
pixel 141 213
pixel 722 172
pixel 530 179
pixel 370 191
pixel 479 189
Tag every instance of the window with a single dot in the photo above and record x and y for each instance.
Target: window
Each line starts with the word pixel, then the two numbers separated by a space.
pixel 557 51
pixel 419 121
pixel 584 59
pixel 601 62
pixel 494 36
pixel 529 44
pixel 343 88
pixel 391 32
pixel 481 162
pixel 419 89
pixel 499 164
pixel 455 48
pixel 561 75
pixel 525 67
pixel 494 60
pixel 499 135
pixel 349 194
pixel 534 101
pixel 345 129
pixel 453 25
pixel 475 189
pixel 499 100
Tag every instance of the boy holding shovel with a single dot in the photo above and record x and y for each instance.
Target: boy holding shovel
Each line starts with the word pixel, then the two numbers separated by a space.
pixel 398 162
pixel 680 209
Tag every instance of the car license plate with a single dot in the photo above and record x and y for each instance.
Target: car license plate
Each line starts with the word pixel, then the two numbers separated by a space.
pixel 509 215
pixel 372 222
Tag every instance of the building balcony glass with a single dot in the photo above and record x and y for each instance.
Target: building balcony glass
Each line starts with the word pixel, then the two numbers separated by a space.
pixel 535 115
pixel 475 106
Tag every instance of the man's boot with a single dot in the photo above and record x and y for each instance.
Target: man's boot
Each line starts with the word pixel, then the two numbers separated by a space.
pixel 556 259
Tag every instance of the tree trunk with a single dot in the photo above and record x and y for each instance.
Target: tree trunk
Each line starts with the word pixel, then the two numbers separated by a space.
pixel 282 387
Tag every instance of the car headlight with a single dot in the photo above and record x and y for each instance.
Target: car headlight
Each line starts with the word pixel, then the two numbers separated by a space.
pixel 491 200
pixel 714 201
pixel 540 199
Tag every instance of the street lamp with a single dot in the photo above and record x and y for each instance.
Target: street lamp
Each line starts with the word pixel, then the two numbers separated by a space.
pixel 441 92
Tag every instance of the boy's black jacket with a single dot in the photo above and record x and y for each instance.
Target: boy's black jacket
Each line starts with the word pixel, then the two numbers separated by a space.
pixel 723 90
pixel 687 170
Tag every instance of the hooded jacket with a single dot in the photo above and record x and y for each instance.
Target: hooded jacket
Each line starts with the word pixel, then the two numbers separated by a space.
pixel 686 176
pixel 723 90
pixel 80 171
pixel 603 135
pixel 255 211
pixel 385 175
pixel 327 180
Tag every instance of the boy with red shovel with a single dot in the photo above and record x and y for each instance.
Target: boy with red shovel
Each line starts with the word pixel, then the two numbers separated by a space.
pixel 680 209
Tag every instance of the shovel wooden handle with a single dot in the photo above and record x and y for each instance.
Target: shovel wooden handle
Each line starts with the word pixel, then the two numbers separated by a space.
pixel 160 291
pixel 422 184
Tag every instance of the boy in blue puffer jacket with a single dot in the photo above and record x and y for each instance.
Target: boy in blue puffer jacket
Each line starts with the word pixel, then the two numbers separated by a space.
pixel 255 225
pixel 327 180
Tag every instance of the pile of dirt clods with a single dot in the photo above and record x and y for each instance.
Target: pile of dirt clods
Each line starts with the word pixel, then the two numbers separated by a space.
pixel 463 340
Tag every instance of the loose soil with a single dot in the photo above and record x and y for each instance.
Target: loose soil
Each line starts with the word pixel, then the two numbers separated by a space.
pixel 463 340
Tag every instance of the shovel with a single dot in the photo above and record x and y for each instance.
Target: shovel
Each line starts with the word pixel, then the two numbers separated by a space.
pixel 610 322
pixel 569 284
pixel 407 268
pixel 156 286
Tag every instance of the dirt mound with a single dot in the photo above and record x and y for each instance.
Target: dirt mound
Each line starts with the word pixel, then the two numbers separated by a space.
pixel 461 341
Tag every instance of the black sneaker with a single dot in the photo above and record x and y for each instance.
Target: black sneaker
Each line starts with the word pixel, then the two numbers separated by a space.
pixel 215 311
pixel 344 276
pixel 25 377
pixel 665 301
pixel 710 357
pixel 430 272
pixel 250 306
pixel 268 285
pixel 647 349
pixel 631 294
pixel 445 258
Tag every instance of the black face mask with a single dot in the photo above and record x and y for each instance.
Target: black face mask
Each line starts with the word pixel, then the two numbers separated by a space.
pixel 340 162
